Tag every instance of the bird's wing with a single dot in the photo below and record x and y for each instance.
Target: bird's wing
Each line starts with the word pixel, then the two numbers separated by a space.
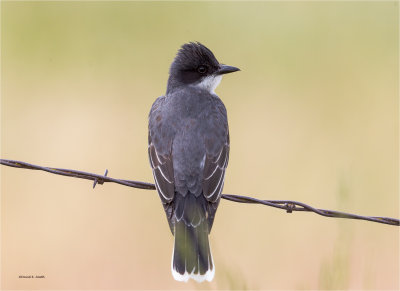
pixel 217 153
pixel 160 153
pixel 216 158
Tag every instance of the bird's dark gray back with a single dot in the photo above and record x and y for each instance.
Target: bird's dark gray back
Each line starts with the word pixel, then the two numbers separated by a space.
pixel 188 124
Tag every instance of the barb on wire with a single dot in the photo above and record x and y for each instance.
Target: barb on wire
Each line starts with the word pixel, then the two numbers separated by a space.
pixel 287 205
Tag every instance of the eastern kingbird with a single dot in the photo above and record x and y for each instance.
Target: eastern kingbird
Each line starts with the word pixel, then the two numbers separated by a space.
pixel 188 152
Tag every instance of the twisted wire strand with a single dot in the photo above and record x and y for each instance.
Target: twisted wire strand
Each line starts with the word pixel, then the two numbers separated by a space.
pixel 287 205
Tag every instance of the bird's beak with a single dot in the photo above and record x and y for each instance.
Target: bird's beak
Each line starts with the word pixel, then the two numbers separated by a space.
pixel 224 69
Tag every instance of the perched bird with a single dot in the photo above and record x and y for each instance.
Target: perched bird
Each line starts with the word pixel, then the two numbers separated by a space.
pixel 188 151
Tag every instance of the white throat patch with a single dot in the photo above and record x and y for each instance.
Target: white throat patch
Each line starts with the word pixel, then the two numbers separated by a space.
pixel 210 83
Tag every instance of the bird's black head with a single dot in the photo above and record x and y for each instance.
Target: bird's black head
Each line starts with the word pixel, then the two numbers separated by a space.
pixel 196 65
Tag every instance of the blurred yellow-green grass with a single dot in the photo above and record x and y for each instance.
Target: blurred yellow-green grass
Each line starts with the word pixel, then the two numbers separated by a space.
pixel 313 117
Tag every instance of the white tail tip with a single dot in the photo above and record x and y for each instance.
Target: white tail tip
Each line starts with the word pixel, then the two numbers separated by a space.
pixel 209 275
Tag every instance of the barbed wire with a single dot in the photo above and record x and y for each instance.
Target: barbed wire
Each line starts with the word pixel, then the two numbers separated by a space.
pixel 287 205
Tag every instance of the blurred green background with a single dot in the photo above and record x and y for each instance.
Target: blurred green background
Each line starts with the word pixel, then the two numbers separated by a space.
pixel 313 117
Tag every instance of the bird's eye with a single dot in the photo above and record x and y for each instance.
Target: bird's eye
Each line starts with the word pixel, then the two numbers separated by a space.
pixel 202 69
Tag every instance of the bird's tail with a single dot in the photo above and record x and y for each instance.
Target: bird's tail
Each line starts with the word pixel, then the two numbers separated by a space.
pixel 191 257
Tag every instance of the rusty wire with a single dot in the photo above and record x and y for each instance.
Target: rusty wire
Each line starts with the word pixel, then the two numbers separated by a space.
pixel 287 205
